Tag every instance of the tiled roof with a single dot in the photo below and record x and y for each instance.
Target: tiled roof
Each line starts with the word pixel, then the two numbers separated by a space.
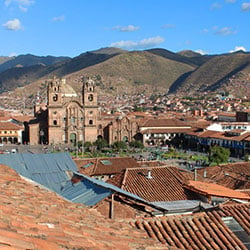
pixel 106 166
pixel 166 130
pixel 9 126
pixel 240 212
pixel 164 123
pixel 35 218
pixel 198 231
pixel 166 184
pixel 5 118
pixel 212 189
pixel 222 135
pixel 23 118
pixel 233 175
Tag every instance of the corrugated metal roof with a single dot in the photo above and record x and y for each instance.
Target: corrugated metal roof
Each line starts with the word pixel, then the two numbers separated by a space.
pixel 52 171
pixel 182 205
pixel 84 192
pixel 113 188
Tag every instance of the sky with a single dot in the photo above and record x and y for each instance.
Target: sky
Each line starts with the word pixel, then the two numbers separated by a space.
pixel 72 27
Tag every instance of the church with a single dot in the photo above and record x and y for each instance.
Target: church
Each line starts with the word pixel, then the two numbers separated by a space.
pixel 69 117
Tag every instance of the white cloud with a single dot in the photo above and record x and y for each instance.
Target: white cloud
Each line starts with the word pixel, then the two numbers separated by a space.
pixel 168 26
pixel 230 1
pixel 143 44
pixel 23 9
pixel 225 31
pixel 238 48
pixel 12 54
pixel 20 2
pixel 58 18
pixel 215 6
pixel 205 31
pixel 128 28
pixel 13 24
pixel 245 7
pixel 200 51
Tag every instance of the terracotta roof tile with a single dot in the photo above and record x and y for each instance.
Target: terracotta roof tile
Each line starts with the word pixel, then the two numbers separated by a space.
pixel 166 184
pixel 212 189
pixel 35 218
pixel 9 126
pixel 198 231
pixel 233 175
pixel 164 123
pixel 106 166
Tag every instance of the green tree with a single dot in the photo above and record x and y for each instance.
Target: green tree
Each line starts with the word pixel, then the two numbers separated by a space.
pixel 87 146
pixel 100 143
pixel 119 145
pixel 136 144
pixel 218 155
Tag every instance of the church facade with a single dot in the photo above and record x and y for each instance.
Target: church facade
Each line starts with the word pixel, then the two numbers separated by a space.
pixel 71 117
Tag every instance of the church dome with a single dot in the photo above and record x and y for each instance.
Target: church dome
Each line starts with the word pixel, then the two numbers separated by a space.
pixel 67 90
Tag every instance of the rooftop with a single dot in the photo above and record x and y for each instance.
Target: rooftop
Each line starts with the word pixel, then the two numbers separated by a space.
pixel 56 223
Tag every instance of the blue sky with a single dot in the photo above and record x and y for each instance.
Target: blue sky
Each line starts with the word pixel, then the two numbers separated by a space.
pixel 71 27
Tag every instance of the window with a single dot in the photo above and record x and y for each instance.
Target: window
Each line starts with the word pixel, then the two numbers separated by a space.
pixel 73 120
pixel 55 122
pixel 55 97
pixel 90 122
pixel 91 112
pixel 90 97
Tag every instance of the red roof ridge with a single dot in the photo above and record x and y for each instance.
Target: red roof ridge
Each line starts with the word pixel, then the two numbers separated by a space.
pixel 215 190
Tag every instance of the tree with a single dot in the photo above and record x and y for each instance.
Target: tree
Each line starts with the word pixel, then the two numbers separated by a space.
pixel 100 143
pixel 118 145
pixel 218 155
pixel 87 146
pixel 136 144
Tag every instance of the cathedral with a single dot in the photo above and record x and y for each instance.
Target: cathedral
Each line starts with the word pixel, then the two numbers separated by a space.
pixel 70 117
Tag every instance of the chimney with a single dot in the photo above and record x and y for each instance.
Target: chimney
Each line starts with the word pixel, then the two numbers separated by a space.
pixel 195 174
pixel 149 176
pixel 205 173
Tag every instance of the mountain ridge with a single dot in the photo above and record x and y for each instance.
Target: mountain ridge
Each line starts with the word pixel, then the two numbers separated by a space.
pixel 116 71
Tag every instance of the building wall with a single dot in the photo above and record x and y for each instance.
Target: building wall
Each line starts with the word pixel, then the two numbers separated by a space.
pixel 34 134
pixel 71 117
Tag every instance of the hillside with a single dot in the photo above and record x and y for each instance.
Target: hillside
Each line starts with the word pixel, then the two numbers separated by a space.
pixel 137 71
pixel 151 71
pixel 29 60
pixel 4 59
pixel 22 75
pixel 184 57
pixel 213 74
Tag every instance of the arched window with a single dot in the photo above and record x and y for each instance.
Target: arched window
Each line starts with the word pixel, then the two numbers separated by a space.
pixel 90 122
pixel 55 122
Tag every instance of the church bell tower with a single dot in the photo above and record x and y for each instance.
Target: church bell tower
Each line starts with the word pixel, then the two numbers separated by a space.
pixel 90 107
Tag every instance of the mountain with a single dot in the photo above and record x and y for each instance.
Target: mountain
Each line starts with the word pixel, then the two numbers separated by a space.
pixel 125 72
pixel 29 60
pixel 18 76
pixel 4 59
pixel 213 74
pixel 195 60
pixel 137 71
pixel 189 53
